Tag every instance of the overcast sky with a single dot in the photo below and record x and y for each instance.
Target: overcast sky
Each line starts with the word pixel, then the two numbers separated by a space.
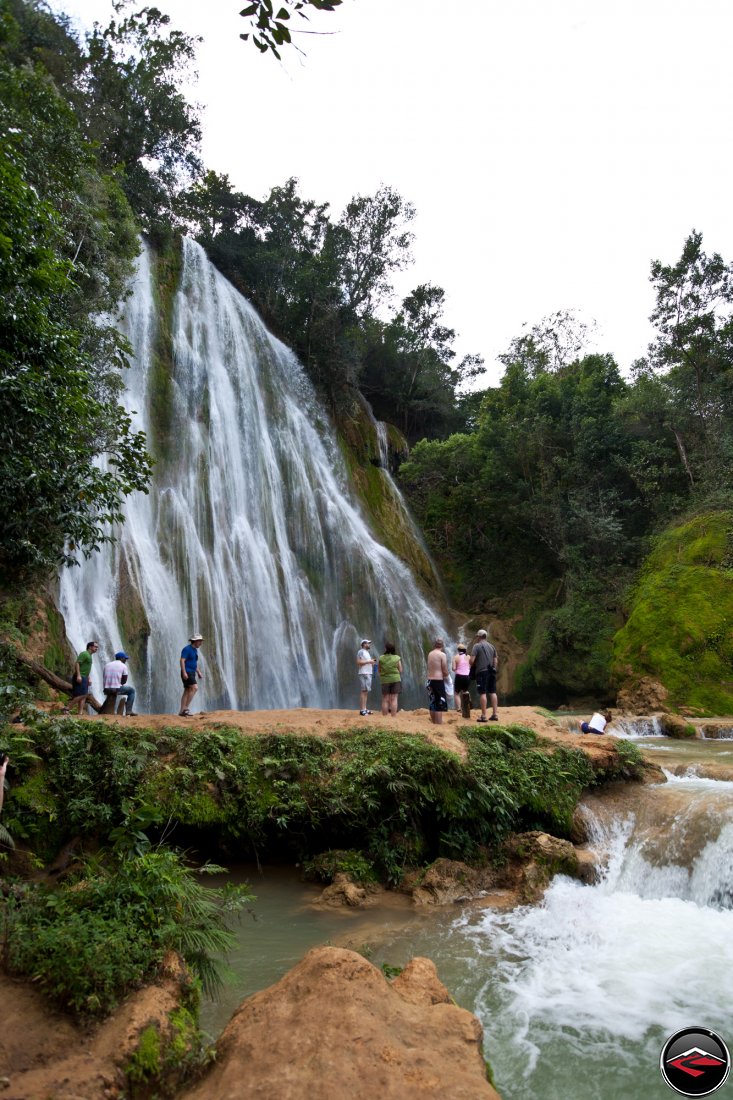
pixel 552 148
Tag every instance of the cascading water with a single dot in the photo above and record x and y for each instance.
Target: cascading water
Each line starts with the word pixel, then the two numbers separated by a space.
pixel 578 994
pixel 250 533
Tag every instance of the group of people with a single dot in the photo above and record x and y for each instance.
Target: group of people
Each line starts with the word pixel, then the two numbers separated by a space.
pixel 115 676
pixel 114 681
pixel 480 665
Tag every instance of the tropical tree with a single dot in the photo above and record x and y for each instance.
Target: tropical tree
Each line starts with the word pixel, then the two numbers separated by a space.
pixel 692 359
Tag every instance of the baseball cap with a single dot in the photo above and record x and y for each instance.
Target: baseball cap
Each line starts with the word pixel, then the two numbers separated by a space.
pixel 366 641
pixel 481 634
pixel 196 638
pixel 121 656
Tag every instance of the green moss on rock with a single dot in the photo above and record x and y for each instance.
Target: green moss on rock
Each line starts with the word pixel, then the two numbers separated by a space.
pixel 680 626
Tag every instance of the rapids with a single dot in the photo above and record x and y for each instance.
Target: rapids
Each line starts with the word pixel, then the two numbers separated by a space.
pixel 251 533
pixel 578 994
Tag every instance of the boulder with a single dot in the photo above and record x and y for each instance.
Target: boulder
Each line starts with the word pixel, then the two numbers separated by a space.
pixel 343 892
pixel 447 881
pixel 335 1027
pixel 643 696
pixel 674 725
pixel 533 859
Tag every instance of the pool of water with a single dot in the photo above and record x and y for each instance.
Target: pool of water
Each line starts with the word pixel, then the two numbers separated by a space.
pixel 281 925
pixel 578 994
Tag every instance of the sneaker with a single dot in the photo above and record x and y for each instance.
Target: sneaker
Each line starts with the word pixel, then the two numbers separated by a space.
pixel 481 718
pixel 494 718
pixel 362 712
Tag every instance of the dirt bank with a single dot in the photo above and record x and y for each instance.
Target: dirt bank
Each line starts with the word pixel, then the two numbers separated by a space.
pixel 321 723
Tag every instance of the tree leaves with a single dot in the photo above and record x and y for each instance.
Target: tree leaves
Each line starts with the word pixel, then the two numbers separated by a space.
pixel 271 28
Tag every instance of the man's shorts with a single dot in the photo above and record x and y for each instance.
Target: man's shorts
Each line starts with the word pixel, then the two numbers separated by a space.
pixel 79 688
pixel 486 682
pixel 392 689
pixel 190 681
pixel 365 682
pixel 436 692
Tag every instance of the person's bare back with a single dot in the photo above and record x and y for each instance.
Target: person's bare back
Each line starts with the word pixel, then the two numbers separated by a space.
pixel 437 665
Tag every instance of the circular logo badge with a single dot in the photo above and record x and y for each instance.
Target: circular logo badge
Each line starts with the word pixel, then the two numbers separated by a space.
pixel 694 1061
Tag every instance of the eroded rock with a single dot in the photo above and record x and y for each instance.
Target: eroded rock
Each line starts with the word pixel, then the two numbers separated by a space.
pixel 447 881
pixel 533 859
pixel 335 1027
pixel 643 696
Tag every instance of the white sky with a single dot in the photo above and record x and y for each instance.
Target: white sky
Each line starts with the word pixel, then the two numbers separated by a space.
pixel 552 148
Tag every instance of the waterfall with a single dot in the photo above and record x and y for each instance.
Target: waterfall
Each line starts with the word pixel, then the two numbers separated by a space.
pixel 600 975
pixel 250 535
pixel 636 727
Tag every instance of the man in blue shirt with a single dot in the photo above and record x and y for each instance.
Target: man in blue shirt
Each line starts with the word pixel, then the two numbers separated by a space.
pixel 190 673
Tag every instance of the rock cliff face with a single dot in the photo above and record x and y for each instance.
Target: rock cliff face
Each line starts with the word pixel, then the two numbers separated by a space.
pixel 335 1027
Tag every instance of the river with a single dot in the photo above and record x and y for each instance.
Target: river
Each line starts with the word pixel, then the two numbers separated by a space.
pixel 578 994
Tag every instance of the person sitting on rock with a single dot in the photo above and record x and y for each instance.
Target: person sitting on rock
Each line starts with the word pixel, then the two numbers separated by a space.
pixel 115 683
pixel 597 724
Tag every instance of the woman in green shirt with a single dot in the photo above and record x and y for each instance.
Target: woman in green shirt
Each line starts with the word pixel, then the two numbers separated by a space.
pixel 390 674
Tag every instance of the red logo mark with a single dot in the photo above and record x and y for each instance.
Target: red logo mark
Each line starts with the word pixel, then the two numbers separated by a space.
pixel 695 1061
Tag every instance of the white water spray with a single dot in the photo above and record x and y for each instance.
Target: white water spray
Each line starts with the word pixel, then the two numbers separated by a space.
pixel 250 534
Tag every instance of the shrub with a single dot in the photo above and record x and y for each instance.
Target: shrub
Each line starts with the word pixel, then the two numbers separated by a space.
pixel 89 942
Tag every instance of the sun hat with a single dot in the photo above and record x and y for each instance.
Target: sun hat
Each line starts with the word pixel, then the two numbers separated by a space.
pixel 121 656
pixel 196 638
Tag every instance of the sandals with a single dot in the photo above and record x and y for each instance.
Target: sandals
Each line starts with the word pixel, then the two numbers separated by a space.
pixel 184 714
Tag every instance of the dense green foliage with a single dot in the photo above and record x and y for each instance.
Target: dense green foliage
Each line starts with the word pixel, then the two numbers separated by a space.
pixel 68 238
pixel 323 285
pixel 108 928
pixel 547 506
pixel 680 622
pixel 399 800
pixel 124 902
pixel 111 798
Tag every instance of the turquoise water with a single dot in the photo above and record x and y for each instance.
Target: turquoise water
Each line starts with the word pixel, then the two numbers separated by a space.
pixel 280 927
pixel 578 994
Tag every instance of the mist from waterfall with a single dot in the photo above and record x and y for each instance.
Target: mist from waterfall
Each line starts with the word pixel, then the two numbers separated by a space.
pixel 250 534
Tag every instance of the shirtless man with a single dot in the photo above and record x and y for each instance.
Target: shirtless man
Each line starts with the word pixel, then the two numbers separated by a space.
pixel 437 672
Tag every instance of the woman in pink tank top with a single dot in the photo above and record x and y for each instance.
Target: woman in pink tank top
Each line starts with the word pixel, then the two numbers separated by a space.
pixel 461 666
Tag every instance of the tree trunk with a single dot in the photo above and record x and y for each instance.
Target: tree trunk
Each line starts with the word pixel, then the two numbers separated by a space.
pixel 466 704
pixel 55 681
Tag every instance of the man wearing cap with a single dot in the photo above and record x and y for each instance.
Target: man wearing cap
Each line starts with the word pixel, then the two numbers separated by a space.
pixel 485 659
pixel 365 667
pixel 115 680
pixel 190 673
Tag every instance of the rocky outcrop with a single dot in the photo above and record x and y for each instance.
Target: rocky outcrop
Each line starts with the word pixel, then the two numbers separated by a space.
pixel 335 1027
pixel 674 725
pixel 642 696
pixel 343 892
pixel 448 880
pixel 45 1054
pixel 533 859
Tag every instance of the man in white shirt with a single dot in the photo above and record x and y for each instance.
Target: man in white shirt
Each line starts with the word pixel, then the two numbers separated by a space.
pixel 115 680
pixel 365 667
pixel 597 724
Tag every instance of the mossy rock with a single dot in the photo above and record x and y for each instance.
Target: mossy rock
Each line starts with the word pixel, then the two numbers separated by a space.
pixel 680 627
pixel 673 725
